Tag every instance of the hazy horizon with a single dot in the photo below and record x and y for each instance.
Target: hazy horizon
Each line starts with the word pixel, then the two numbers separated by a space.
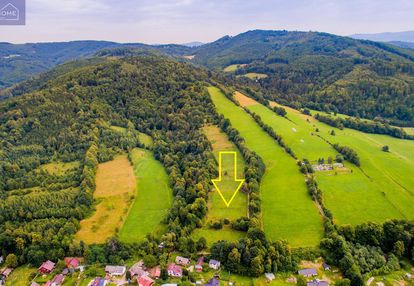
pixel 183 21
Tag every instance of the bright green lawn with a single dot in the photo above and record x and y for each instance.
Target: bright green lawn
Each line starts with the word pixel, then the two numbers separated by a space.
pixel 145 139
pixel 385 191
pixel 153 199
pixel 288 211
pixel 216 207
pixel 231 68
pixel 253 75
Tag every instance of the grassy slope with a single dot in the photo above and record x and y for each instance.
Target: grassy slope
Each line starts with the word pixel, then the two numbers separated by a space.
pixel 153 199
pixel 216 207
pixel 20 276
pixel 288 211
pixel 115 187
pixel 384 191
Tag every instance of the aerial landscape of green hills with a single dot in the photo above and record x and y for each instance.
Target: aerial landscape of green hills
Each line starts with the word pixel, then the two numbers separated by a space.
pixel 108 152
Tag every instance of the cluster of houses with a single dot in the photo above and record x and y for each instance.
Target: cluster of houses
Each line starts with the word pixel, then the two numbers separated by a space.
pixel 326 167
pixel 313 273
pixel 47 267
pixel 138 272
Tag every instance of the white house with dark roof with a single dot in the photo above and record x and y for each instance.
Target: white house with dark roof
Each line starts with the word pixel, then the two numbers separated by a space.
pixel 214 264
pixel 308 272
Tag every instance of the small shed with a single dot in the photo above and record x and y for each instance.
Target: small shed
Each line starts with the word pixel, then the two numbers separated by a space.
pixel 270 276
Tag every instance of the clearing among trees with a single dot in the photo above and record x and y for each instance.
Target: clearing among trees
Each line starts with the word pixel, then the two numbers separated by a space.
pixel 152 200
pixel 115 189
pixel 217 210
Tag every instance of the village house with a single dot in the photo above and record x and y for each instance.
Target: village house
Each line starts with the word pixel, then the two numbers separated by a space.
pixel 199 265
pixel 317 283
pixel 98 282
pixel 72 262
pixel 213 282
pixel 270 276
pixel 138 269
pixel 145 281
pixel 182 261
pixel 308 272
pixel 326 267
pixel 6 272
pixel 214 264
pixel 115 270
pixel 155 272
pixel 57 280
pixel 175 270
pixel 46 267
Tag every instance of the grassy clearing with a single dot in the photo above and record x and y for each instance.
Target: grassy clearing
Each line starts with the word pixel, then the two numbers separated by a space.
pixel 20 276
pixel 233 68
pixel 59 168
pixel 254 76
pixel 381 190
pixel 216 208
pixel 145 139
pixel 288 211
pixel 115 188
pixel 153 199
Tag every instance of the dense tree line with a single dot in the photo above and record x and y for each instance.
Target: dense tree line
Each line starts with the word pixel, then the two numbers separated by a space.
pixel 364 126
pixel 369 248
pixel 349 154
pixel 254 255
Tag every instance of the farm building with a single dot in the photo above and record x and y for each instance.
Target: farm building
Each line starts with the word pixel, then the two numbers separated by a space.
pixel 145 281
pixel 115 270
pixel 46 267
pixel 182 260
pixel 214 264
pixel 308 272
pixel 175 270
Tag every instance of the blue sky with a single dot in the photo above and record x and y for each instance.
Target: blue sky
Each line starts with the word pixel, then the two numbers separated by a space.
pixel 180 21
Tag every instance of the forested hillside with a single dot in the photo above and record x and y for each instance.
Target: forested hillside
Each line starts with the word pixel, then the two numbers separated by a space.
pixel 66 121
pixel 21 61
pixel 322 71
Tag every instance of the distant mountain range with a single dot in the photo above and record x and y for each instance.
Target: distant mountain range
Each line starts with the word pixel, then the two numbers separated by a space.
pixel 407 36
pixel 316 70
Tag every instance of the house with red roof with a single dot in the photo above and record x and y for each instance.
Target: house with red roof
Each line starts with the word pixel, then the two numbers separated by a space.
pixel 175 270
pixel 46 267
pixel 145 281
pixel 199 265
pixel 72 262
pixel 155 272
pixel 57 280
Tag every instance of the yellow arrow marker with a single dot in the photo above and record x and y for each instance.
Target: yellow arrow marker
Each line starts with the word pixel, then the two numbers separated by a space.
pixel 216 182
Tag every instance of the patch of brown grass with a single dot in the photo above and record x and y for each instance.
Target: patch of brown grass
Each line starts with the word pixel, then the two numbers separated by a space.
pixel 115 188
pixel 244 100
pixel 114 178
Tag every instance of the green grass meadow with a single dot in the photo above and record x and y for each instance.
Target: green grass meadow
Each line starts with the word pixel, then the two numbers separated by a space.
pixel 382 189
pixel 153 198
pixel 216 207
pixel 287 210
